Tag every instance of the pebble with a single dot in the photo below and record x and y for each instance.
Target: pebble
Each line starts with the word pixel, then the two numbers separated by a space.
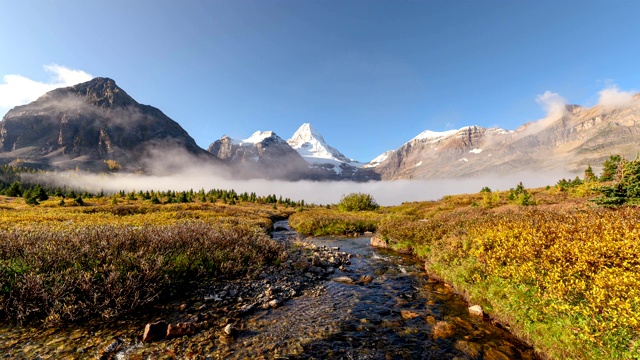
pixel 344 280
pixel 476 310
pixel 229 330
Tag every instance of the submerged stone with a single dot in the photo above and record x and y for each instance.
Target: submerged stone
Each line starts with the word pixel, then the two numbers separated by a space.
pixel 180 329
pixel 154 331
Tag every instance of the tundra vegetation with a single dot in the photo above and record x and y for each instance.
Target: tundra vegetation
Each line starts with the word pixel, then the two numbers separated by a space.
pixel 67 256
pixel 560 265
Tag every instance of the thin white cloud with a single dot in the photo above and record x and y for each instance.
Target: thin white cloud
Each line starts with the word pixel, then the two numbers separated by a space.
pixel 555 107
pixel 19 90
pixel 552 103
pixel 613 97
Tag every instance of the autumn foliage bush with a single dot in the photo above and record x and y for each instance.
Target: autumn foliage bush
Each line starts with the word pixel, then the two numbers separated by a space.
pixel 320 222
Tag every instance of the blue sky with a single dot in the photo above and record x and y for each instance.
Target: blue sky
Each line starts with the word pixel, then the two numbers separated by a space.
pixel 368 75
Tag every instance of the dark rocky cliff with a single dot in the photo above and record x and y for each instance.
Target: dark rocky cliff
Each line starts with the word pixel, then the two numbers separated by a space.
pixel 87 124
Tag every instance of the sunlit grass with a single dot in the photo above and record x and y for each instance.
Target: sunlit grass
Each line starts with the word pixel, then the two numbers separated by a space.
pixel 65 263
pixel 563 273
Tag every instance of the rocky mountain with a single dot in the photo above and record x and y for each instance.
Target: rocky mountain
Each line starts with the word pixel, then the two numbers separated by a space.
pixel 263 154
pixel 311 146
pixel 305 156
pixel 567 142
pixel 87 125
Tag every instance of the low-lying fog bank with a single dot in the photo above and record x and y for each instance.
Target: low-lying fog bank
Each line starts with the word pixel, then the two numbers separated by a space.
pixel 385 192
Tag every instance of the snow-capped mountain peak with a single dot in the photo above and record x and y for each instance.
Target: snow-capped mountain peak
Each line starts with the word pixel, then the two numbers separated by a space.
pixel 306 134
pixel 313 148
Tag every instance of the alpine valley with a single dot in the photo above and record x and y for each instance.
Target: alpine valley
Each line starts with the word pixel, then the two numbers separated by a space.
pixel 97 126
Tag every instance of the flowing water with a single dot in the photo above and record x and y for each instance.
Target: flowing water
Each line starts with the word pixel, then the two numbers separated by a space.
pixel 385 307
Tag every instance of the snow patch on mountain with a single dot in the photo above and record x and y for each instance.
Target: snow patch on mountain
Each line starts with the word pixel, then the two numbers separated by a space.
pixel 255 138
pixel 314 149
pixel 379 159
pixel 433 136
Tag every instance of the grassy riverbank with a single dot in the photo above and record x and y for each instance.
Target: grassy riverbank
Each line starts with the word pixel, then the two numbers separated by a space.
pixel 65 263
pixel 563 274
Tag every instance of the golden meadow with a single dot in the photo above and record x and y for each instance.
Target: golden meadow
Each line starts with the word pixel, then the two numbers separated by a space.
pixel 62 262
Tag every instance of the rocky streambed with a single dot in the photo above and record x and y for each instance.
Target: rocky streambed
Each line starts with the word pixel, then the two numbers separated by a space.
pixel 330 298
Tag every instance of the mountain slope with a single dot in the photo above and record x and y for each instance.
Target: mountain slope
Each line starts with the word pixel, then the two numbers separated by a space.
pixel 86 124
pixel 570 142
pixel 263 154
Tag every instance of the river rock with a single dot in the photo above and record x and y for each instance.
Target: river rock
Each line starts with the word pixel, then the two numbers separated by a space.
pixel 212 298
pixel 365 279
pixel 154 331
pixel 247 308
pixel 112 348
pixel 230 331
pixel 315 260
pixel 406 314
pixel 344 280
pixel 180 329
pixel 469 348
pixel 443 329
pixel 476 310
pixel 379 243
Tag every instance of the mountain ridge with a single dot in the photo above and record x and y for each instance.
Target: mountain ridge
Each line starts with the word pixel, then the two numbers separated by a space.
pixel 569 141
pixel 86 125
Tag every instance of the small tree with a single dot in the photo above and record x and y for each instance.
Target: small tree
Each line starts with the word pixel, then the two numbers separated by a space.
pixel 40 193
pixel 78 200
pixel 31 200
pixel 589 176
pixel 14 190
pixel 626 189
pixel 357 202
pixel 521 196
pixel 610 168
